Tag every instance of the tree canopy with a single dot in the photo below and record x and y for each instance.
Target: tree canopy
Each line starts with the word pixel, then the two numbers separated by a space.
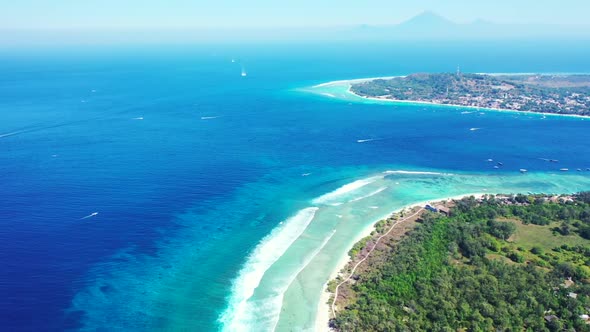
pixel 465 272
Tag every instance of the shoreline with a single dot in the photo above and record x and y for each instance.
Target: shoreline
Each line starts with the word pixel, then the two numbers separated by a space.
pixel 355 80
pixel 476 108
pixel 429 103
pixel 324 309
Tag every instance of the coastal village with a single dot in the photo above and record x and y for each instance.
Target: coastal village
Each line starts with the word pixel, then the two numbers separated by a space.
pixel 555 94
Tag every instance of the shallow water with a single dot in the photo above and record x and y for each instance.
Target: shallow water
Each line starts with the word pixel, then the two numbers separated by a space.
pixel 288 294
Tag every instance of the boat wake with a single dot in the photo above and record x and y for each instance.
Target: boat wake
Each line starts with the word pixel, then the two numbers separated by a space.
pixel 94 214
pixel 12 134
pixel 368 140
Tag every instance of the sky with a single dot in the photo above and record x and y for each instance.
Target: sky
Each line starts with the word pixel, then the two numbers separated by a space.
pixel 233 14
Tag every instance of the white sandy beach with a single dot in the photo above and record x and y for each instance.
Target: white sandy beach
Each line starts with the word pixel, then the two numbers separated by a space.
pixel 428 103
pixel 353 81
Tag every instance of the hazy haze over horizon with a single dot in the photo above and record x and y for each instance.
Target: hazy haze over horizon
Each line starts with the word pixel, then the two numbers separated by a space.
pixel 151 14
pixel 110 21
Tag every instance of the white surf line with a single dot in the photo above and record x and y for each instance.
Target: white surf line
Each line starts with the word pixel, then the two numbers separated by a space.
pixel 349 187
pixel 362 260
pixel 269 250
pixel 417 173
pixel 368 195
pixel 305 264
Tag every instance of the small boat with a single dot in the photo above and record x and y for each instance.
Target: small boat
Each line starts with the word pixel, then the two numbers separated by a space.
pixel 579 170
pixel 522 170
pixel 588 169
pixel 490 160
pixel 500 164
pixel 496 167
pixel 564 169
pixel 553 160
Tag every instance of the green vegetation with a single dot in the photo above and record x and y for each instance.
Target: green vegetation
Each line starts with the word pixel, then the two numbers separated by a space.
pixel 358 246
pixel 560 94
pixel 493 265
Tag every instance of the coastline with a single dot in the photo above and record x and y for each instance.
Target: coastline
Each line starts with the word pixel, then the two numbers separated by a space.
pixel 323 314
pixel 355 80
pixel 289 269
pixel 349 83
pixel 428 103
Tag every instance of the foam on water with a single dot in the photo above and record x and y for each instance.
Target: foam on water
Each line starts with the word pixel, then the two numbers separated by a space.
pixel 344 190
pixel 270 249
pixel 258 294
pixel 282 290
pixel 416 173
pixel 262 314
pixel 368 195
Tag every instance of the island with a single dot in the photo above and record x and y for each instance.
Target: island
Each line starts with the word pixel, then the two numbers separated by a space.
pixel 554 94
pixel 490 263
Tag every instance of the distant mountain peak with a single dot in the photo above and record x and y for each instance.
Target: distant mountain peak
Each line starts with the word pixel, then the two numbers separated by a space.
pixel 430 13
pixel 427 18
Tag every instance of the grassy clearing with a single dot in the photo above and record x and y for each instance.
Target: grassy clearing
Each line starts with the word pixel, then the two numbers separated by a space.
pixel 529 236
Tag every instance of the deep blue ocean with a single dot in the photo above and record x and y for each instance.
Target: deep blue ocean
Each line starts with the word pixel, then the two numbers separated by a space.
pixel 133 179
